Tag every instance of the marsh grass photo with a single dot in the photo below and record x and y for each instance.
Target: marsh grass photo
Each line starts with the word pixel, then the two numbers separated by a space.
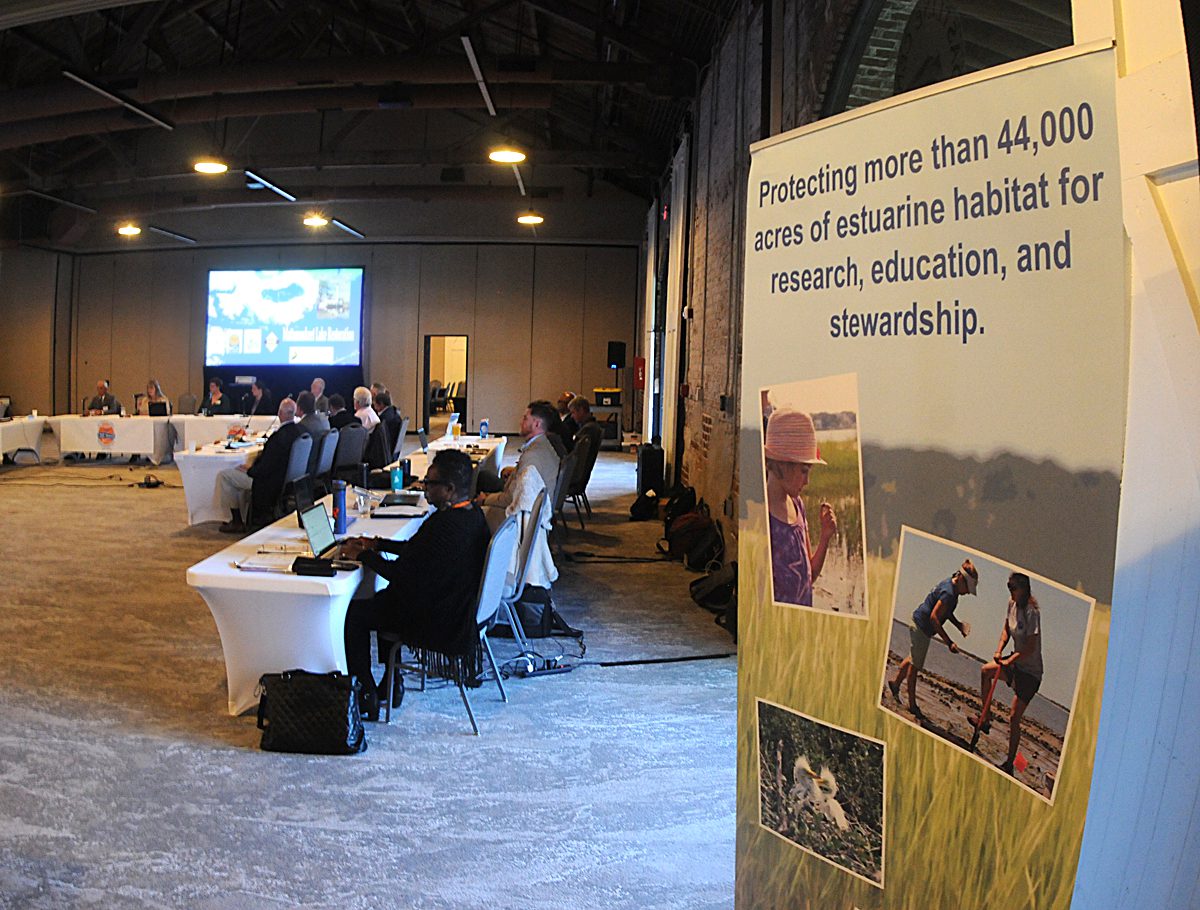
pixel 822 789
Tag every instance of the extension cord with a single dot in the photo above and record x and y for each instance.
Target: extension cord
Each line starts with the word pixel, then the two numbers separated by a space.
pixel 549 670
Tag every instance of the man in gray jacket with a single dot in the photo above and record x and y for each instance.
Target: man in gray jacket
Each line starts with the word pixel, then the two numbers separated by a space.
pixel 537 454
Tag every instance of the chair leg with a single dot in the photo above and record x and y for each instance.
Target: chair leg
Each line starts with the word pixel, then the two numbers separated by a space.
pixel 587 503
pixel 495 669
pixel 514 623
pixel 389 675
pixel 466 701
pixel 578 511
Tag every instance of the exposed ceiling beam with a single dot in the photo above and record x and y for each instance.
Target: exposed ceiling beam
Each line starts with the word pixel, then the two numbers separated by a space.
pixel 204 110
pixel 587 21
pixel 14 13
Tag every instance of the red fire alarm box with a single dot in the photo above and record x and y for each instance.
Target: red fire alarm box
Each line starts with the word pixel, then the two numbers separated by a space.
pixel 639 372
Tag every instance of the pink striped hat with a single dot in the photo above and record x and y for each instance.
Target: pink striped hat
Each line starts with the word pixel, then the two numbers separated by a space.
pixel 791 436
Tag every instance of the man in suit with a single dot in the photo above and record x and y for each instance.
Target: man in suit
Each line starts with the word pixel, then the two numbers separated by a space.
pixel 339 417
pixel 103 402
pixel 537 454
pixel 250 490
pixel 318 393
pixel 312 422
pixel 586 424
pixel 388 414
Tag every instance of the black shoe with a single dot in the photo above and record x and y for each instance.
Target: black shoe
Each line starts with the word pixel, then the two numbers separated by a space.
pixel 397 690
pixel 232 527
pixel 368 703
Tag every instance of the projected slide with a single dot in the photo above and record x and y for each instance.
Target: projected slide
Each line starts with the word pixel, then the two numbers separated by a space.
pixel 294 316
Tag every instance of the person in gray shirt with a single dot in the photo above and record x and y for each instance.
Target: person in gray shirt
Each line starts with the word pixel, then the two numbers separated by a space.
pixel 537 454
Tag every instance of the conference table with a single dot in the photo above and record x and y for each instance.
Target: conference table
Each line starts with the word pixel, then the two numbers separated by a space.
pixel 198 471
pixel 113 435
pixel 22 434
pixel 271 621
pixel 194 430
pixel 475 446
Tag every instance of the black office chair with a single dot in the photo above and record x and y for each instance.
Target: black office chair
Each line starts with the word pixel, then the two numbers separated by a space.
pixel 297 467
pixel 588 439
pixel 348 462
pixel 324 466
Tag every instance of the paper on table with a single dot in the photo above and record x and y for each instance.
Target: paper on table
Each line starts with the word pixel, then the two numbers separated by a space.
pixel 399 512
pixel 267 562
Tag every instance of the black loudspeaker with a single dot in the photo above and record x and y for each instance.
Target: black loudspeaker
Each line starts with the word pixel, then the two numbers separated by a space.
pixel 616 355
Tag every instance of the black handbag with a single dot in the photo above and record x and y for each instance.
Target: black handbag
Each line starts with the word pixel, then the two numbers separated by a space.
pixel 316 713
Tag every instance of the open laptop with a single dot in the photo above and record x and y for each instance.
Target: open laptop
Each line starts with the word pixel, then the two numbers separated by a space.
pixel 423 440
pixel 315 521
pixel 158 409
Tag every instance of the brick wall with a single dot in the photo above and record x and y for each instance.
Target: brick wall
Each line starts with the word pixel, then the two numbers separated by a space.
pixel 727 118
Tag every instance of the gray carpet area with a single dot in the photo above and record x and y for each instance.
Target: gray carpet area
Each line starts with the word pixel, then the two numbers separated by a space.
pixel 123 782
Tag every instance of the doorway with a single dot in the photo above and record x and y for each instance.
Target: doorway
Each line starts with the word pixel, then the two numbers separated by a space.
pixel 445 388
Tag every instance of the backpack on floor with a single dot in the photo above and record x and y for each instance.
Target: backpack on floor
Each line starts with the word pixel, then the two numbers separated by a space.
pixel 716 590
pixel 706 550
pixel 681 501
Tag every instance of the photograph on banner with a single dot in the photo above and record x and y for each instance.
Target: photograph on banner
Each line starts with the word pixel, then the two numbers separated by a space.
pixel 812 474
pixel 986 656
pixel 821 788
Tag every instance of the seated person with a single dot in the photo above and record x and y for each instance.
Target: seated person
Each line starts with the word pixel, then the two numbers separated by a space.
pixel 569 426
pixel 154 395
pixel 312 422
pixel 318 392
pixel 433 582
pixel 338 415
pixel 388 414
pixel 250 491
pixel 587 425
pixel 362 408
pixel 537 454
pixel 216 401
pixel 103 402
pixel 261 401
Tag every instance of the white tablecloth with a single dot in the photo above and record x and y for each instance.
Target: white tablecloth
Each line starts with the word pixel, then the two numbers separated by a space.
pixel 199 470
pixel 115 435
pixel 272 622
pixel 418 461
pixel 193 430
pixel 22 433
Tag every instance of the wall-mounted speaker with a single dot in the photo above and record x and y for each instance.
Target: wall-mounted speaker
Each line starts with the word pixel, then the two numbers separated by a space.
pixel 616 355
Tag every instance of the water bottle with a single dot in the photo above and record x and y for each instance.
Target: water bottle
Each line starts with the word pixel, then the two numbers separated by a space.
pixel 397 479
pixel 339 507
pixel 483 428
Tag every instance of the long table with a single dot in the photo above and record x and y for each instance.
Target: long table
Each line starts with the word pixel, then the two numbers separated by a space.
pixel 271 622
pixel 113 435
pixel 199 469
pixel 418 461
pixel 192 430
pixel 22 434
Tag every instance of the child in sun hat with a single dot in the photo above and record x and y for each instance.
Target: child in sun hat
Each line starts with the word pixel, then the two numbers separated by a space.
pixel 791 451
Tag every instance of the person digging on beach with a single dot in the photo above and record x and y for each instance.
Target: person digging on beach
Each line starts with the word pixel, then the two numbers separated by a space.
pixel 929 621
pixel 1021 670
pixel 791 451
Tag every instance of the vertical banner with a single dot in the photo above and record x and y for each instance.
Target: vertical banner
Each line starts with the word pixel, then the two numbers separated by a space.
pixel 933 417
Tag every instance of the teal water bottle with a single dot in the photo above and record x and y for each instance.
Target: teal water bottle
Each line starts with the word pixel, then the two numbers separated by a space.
pixel 483 428
pixel 397 478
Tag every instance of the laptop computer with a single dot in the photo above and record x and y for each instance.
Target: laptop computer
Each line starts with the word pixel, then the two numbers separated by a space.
pixel 302 489
pixel 158 409
pixel 315 521
pixel 423 440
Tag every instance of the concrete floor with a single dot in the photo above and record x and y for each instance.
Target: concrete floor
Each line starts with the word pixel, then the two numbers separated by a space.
pixel 123 783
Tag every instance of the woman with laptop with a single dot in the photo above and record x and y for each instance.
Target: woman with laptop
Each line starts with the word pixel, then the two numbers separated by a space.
pixel 154 403
pixel 433 579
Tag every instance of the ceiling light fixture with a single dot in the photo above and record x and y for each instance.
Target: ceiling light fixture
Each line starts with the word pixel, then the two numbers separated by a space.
pixel 349 230
pixel 255 182
pixel 531 218
pixel 129 229
pixel 506 154
pixel 478 73
pixel 210 165
pixel 117 98
pixel 315 219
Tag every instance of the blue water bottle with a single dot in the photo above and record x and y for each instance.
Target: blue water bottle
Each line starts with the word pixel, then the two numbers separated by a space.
pixel 339 507
pixel 397 478
pixel 483 428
